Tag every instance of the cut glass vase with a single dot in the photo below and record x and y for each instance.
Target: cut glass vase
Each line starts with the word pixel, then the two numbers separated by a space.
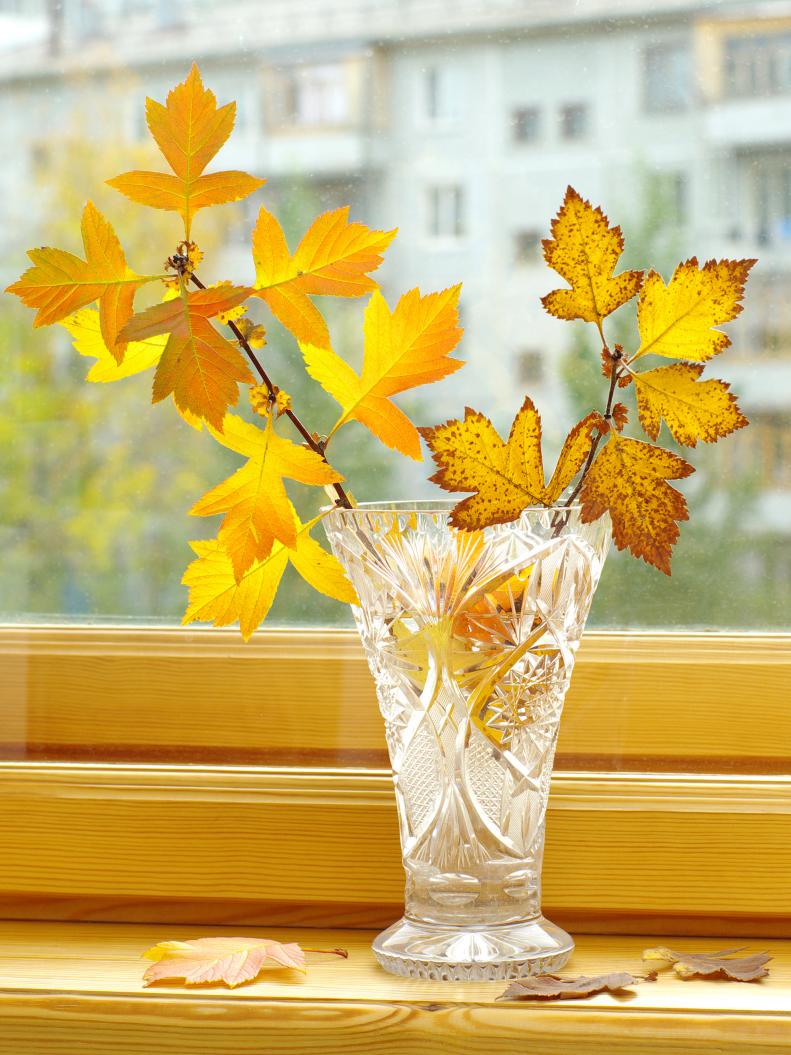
pixel 471 639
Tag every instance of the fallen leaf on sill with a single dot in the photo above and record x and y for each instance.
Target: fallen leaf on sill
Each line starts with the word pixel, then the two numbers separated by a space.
pixel 553 987
pixel 721 964
pixel 229 960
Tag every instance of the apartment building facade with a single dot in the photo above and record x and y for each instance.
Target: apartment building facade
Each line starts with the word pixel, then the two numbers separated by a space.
pixel 462 123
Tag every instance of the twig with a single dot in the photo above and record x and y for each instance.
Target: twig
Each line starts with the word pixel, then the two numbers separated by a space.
pixel 615 357
pixel 598 438
pixel 315 445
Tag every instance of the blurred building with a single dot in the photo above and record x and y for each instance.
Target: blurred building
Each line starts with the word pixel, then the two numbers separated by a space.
pixel 463 122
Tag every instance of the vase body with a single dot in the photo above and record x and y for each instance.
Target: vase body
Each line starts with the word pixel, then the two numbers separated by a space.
pixel 471 640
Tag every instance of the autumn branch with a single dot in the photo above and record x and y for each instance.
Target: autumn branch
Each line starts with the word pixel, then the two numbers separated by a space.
pixel 315 445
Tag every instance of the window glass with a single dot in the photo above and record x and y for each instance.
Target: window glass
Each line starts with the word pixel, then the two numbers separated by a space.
pixel 667 77
pixel 446 212
pixel 413 114
pixel 573 121
pixel 526 124
pixel 527 246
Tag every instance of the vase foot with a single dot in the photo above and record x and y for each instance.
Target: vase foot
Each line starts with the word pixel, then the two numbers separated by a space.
pixel 472 954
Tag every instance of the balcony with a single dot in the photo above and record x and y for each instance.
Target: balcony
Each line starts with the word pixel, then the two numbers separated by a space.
pixel 743 124
pixel 329 151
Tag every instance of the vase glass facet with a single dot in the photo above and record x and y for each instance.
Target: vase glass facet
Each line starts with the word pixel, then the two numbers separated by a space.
pixel 471 640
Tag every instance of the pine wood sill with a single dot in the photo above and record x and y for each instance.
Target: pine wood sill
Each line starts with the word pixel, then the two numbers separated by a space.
pixel 76 988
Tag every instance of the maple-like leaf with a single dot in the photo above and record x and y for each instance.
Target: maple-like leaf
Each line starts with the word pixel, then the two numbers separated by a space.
pixel 553 987
pixel 85 329
pixel 216 596
pixel 199 366
pixel 721 964
pixel 228 960
pixel 407 347
pixel 693 410
pixel 60 283
pixel 189 130
pixel 507 476
pixel 677 320
pixel 628 480
pixel 584 250
pixel 257 509
pixel 620 416
pixel 87 340
pixel 334 258
pixel 252 332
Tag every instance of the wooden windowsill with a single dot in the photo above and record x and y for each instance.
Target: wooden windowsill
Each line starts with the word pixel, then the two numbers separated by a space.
pixel 76 988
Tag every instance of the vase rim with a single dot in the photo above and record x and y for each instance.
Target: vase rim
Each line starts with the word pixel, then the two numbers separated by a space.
pixel 442 505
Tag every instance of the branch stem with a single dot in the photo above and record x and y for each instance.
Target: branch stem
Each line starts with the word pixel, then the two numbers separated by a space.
pixel 614 374
pixel 315 445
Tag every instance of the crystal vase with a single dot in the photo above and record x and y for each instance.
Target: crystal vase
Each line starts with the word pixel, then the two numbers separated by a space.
pixel 471 640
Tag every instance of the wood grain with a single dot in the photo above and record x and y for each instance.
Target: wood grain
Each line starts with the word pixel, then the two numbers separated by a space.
pixel 637 701
pixel 617 843
pixel 75 989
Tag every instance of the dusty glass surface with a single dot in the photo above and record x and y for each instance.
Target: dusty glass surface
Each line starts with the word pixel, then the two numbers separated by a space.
pixel 461 123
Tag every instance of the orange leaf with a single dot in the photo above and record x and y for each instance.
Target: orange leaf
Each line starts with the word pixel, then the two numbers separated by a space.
pixel 60 283
pixel 693 410
pixel 620 416
pixel 198 365
pixel 628 480
pixel 257 509
pixel 87 339
pixel 189 131
pixel 333 258
pixel 677 320
pixel 508 477
pixel 216 596
pixel 407 347
pixel 229 960
pixel 584 250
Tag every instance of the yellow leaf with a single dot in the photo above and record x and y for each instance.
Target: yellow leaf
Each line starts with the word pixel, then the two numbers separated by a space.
pixel 85 330
pixel 508 477
pixel 59 283
pixel 693 410
pixel 86 333
pixel 405 348
pixel 229 960
pixel 584 250
pixel 628 480
pixel 282 402
pixel 333 258
pixel 260 400
pixel 215 595
pixel 198 365
pixel 189 131
pixel 254 333
pixel 254 500
pixel 677 320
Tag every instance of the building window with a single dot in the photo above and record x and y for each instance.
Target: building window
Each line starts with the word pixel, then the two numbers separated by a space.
pixel 526 124
pixel 527 247
pixel 314 96
pixel 573 121
pixel 446 211
pixel 667 78
pixel 529 366
pixel 758 65
pixel 440 103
